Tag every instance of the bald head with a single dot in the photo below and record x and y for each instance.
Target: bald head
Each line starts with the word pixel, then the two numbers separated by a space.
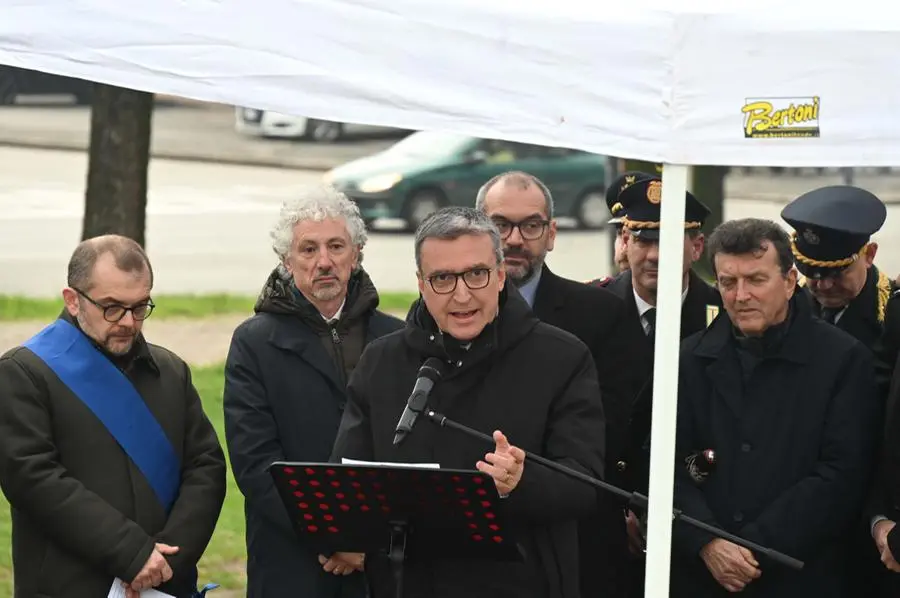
pixel 519 183
pixel 521 207
pixel 126 253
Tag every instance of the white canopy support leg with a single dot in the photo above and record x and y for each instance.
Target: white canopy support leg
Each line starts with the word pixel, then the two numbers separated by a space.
pixel 665 381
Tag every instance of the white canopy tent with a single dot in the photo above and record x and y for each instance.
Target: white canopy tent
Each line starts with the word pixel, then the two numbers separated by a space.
pixel 647 81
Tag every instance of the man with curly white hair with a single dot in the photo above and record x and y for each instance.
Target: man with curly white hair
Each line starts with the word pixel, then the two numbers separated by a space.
pixel 285 383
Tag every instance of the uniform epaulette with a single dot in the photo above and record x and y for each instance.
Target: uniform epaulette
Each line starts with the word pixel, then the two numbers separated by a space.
pixel 600 282
pixel 884 294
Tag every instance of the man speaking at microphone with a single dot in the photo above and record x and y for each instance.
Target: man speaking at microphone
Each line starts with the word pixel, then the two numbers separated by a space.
pixel 532 386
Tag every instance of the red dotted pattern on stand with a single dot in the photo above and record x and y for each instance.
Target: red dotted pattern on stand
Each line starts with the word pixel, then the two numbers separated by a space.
pixel 478 514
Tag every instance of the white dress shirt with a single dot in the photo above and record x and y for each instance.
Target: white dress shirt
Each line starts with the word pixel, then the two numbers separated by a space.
pixel 643 307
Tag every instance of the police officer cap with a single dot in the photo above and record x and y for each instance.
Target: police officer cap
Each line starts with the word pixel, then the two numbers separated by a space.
pixel 831 227
pixel 642 201
pixel 615 188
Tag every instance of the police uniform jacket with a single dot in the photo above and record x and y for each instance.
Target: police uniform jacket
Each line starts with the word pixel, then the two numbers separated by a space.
pixel 700 305
pixel 792 420
pixel 864 317
pixel 537 384
pixel 600 319
pixel 873 318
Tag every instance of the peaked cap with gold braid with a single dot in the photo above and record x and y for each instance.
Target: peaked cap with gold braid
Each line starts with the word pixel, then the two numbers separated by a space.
pixel 832 227
pixel 641 200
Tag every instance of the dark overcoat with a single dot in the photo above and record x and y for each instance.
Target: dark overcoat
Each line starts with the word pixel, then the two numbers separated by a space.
pixel 873 318
pixel 700 306
pixel 533 381
pixel 284 396
pixel 793 423
pixel 82 512
pixel 600 319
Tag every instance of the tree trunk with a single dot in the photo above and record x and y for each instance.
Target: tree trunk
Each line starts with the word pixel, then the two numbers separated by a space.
pixel 709 187
pixel 116 196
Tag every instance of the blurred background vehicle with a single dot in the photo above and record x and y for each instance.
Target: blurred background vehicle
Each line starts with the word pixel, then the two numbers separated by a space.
pixel 265 123
pixel 428 170
pixel 15 82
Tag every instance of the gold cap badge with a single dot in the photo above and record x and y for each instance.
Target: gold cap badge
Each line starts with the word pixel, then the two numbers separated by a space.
pixel 654 192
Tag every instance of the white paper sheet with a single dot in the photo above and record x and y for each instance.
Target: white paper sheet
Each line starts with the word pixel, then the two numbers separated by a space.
pixel 117 590
pixel 346 461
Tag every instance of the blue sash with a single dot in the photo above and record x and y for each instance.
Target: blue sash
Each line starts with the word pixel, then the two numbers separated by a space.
pixel 111 396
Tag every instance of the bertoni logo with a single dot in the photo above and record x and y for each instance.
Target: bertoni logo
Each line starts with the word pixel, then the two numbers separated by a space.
pixel 766 118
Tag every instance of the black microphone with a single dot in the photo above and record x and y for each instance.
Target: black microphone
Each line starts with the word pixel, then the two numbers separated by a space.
pixel 429 373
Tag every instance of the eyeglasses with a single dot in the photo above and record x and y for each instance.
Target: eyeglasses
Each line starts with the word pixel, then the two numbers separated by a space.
pixel 114 312
pixel 445 283
pixel 531 229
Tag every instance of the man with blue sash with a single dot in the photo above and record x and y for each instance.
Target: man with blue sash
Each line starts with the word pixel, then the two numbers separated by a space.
pixel 112 470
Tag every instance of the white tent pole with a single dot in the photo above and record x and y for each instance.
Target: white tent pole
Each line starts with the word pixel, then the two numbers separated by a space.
pixel 665 380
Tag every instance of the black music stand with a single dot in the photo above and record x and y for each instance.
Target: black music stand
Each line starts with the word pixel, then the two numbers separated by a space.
pixel 410 514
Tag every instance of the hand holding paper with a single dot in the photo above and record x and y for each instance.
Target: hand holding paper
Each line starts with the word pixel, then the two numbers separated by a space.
pixel 156 570
pixel 120 589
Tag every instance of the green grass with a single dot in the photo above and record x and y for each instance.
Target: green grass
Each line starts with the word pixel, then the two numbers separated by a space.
pixel 13 308
pixel 224 560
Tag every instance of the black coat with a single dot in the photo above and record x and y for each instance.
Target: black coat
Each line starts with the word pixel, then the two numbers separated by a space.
pixel 534 382
pixel 600 320
pixel 884 500
pixel 700 307
pixel 873 318
pixel 865 316
pixel 82 512
pixel 793 442
pixel 284 396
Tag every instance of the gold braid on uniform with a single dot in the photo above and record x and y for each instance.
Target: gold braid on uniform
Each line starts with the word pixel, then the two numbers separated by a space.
pixel 617 207
pixel 884 294
pixel 823 263
pixel 641 225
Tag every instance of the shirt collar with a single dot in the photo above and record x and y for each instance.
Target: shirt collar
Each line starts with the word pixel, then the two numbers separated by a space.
pixel 643 307
pixel 529 289
pixel 337 314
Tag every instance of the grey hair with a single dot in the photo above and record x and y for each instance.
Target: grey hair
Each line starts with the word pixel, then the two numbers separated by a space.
pixel 523 181
pixel 317 203
pixel 452 223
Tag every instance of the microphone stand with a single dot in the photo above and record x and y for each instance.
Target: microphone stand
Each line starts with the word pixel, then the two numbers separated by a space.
pixel 634 498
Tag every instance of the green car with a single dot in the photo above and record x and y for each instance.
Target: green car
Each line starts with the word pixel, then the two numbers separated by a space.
pixel 428 170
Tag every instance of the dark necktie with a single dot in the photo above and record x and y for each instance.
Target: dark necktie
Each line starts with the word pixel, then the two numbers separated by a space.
pixel 650 317
pixel 830 313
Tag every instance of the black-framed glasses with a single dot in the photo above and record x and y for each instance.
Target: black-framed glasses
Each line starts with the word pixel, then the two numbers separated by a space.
pixel 114 312
pixel 445 283
pixel 531 229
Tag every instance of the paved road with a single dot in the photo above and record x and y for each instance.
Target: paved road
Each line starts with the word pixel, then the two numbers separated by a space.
pixel 189 131
pixel 208 224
